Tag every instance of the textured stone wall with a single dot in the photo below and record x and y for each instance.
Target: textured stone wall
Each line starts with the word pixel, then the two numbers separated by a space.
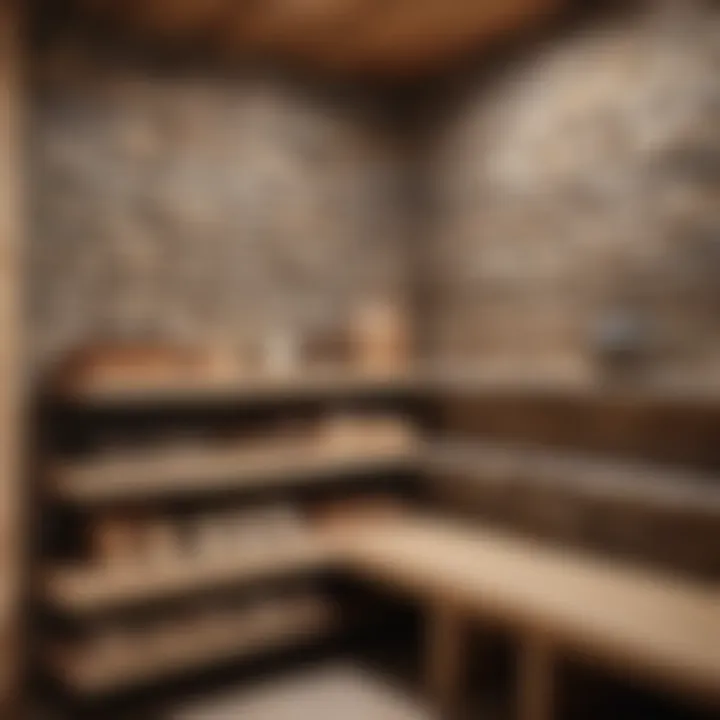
pixel 578 207
pixel 177 204
pixel 577 238
pixel 576 193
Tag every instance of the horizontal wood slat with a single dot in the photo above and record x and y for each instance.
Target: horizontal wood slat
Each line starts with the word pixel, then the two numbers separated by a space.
pixel 92 670
pixel 185 474
pixel 89 590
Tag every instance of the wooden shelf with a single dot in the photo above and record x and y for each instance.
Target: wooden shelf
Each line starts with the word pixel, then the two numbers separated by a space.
pixel 183 473
pixel 81 591
pixel 88 669
pixel 190 390
pixel 424 380
pixel 442 382
pixel 635 484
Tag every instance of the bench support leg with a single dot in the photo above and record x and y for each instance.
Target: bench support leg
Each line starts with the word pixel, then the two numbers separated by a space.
pixel 444 658
pixel 535 680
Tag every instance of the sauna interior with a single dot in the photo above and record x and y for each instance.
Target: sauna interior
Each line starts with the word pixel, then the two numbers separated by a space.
pixel 359 359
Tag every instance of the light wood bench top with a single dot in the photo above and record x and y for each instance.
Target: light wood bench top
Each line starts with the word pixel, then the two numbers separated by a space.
pixel 660 627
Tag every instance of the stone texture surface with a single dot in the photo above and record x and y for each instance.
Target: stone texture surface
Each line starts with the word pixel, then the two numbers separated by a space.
pixel 576 193
pixel 174 203
pixel 578 203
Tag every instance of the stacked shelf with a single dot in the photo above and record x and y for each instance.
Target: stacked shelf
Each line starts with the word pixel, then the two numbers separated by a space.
pixel 81 591
pixel 92 669
pixel 424 380
pixel 283 388
pixel 154 479
pixel 147 476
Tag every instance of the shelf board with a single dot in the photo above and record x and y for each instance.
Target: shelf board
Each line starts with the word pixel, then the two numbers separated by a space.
pixel 192 390
pixel 632 483
pixel 89 670
pixel 424 380
pixel 83 591
pixel 176 474
pixel 466 383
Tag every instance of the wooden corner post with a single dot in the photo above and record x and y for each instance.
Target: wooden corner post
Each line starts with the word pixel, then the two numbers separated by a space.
pixel 536 675
pixel 11 382
pixel 445 657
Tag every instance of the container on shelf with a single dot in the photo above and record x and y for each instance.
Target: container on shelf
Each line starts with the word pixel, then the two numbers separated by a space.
pixel 281 353
pixel 116 539
pixel 162 540
pixel 127 364
pixel 380 338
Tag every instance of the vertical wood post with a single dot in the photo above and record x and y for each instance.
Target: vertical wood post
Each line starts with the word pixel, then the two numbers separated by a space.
pixel 444 657
pixel 10 369
pixel 536 687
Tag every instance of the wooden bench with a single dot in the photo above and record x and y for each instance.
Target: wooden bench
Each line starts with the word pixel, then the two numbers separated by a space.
pixel 659 628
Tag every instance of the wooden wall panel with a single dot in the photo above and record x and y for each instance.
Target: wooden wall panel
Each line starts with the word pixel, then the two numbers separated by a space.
pixel 661 429
pixel 10 393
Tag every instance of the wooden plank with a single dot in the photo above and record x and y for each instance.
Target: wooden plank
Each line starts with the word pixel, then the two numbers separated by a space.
pixel 190 473
pixel 658 422
pixel 172 391
pixel 465 383
pixel 659 627
pixel 92 669
pixel 639 511
pixel 11 380
pixel 82 591
pixel 634 483
pixel 445 383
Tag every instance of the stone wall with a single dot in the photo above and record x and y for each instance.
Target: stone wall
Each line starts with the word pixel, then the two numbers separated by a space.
pixel 578 221
pixel 175 203
pixel 577 238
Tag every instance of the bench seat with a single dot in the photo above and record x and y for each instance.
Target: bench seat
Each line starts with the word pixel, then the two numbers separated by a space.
pixel 655 626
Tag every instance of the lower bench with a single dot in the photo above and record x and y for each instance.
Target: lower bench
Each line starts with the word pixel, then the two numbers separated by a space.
pixel 657 627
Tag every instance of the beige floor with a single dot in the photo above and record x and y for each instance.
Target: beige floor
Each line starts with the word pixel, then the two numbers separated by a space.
pixel 328 692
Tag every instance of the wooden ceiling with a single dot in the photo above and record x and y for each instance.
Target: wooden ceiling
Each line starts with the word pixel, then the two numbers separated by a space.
pixel 401 37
